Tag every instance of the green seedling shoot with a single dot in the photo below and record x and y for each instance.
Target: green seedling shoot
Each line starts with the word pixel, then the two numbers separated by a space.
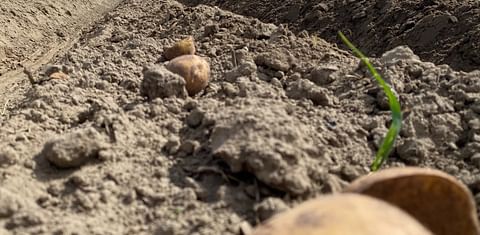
pixel 387 143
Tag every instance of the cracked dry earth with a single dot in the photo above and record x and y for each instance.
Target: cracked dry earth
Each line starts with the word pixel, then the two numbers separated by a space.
pixel 286 115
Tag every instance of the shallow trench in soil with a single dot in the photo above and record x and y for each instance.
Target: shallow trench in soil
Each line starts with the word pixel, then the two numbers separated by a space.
pixel 33 32
pixel 287 115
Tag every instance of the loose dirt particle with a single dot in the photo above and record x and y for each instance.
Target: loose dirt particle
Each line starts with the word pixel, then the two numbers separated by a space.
pixel 195 118
pixel 248 69
pixel 8 156
pixel 269 207
pixel 8 203
pixel 304 88
pixel 323 75
pixel 412 150
pixel 276 60
pixel 25 219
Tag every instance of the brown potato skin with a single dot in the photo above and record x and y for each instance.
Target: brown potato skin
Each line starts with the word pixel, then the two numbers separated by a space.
pixel 436 199
pixel 58 75
pixel 194 69
pixel 183 47
pixel 342 214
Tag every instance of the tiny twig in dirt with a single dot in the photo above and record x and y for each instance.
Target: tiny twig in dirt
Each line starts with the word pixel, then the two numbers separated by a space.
pixel 4 108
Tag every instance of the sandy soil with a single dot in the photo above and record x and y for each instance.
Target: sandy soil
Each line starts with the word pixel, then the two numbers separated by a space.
pixel 287 116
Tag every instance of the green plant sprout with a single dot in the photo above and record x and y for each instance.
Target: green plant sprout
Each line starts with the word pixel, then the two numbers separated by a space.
pixel 387 143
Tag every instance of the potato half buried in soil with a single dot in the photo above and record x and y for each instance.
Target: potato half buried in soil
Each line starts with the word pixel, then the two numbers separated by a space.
pixel 194 69
pixel 183 47
pixel 434 198
pixel 342 214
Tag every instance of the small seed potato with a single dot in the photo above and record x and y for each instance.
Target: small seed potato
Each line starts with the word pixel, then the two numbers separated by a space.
pixel 436 199
pixel 342 214
pixel 183 47
pixel 194 69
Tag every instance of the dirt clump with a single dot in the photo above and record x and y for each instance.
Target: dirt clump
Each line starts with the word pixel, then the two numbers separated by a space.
pixel 159 82
pixel 247 140
pixel 8 204
pixel 75 149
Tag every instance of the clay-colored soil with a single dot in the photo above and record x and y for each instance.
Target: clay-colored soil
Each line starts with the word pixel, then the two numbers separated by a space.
pixel 286 115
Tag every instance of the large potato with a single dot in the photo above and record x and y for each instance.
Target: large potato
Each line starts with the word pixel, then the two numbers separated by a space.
pixel 436 199
pixel 194 69
pixel 342 214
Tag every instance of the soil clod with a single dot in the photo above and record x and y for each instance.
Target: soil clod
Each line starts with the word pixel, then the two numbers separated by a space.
pixel 75 149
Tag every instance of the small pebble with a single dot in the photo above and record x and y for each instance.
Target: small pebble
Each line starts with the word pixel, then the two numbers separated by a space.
pixel 452 169
pixel 195 118
pixel 8 203
pixel 269 207
pixel 172 145
pixel 188 147
pixel 476 159
pixel 323 75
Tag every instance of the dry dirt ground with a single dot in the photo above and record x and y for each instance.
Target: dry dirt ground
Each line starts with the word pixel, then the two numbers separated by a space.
pixel 439 31
pixel 287 115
